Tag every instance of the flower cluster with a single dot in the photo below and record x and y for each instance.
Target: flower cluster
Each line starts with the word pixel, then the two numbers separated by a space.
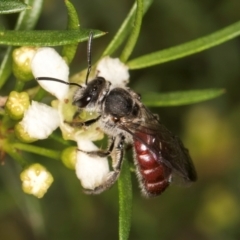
pixel 40 120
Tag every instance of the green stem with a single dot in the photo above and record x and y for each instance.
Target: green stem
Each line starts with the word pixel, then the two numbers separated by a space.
pixel 37 150
pixel 39 95
pixel 19 86
pixel 125 201
pixel 135 32
pixel 10 150
pixel 6 124
pixel 59 139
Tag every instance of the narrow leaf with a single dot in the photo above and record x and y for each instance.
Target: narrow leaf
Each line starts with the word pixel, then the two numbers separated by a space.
pixel 125 202
pixel 186 49
pixel 125 28
pixel 6 66
pixel 69 51
pixel 12 6
pixel 26 21
pixel 155 99
pixel 134 34
pixel 46 37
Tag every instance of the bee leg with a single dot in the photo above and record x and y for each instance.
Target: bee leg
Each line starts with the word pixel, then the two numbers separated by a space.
pixel 117 158
pixel 117 154
pixel 156 116
pixel 81 124
pixel 101 153
pixel 91 121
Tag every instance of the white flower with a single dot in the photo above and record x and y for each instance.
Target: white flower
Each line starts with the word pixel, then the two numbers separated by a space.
pixel 113 70
pixel 92 171
pixel 40 120
pixel 36 180
pixel 48 63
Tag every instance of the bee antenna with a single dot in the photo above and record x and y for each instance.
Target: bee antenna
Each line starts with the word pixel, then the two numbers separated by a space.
pixel 57 80
pixel 89 61
pixel 89 55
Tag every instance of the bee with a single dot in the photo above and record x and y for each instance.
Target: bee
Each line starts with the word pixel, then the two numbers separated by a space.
pixel 158 154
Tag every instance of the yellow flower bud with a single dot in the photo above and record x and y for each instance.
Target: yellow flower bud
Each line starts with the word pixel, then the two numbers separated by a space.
pixel 69 157
pixel 22 58
pixel 22 135
pixel 36 180
pixel 17 104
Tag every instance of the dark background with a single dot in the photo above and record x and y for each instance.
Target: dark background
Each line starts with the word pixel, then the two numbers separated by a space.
pixel 209 208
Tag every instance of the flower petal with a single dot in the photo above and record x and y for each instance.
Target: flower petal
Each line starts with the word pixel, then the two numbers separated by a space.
pixel 48 63
pixel 92 171
pixel 40 120
pixel 113 70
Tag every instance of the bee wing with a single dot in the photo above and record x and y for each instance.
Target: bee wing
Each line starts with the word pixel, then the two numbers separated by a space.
pixel 166 145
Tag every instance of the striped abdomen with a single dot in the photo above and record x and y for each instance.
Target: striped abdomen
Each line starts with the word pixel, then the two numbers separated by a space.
pixel 154 175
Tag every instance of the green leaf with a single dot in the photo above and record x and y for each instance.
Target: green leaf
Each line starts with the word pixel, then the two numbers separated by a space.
pixel 26 21
pixel 155 99
pixel 125 201
pixel 125 28
pixel 134 34
pixel 186 49
pixel 69 51
pixel 11 6
pixel 6 66
pixel 46 38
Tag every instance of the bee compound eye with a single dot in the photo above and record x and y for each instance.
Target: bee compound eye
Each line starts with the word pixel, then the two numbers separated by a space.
pixel 94 89
pixel 83 102
pixel 115 119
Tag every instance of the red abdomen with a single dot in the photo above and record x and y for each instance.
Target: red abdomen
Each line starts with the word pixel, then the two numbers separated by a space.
pixel 154 175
